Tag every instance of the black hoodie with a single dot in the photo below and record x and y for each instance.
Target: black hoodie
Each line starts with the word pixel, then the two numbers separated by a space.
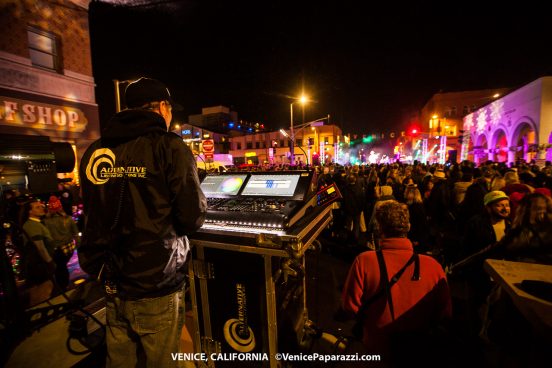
pixel 141 197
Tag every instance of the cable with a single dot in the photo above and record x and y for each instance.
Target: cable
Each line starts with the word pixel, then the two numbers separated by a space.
pixel 82 338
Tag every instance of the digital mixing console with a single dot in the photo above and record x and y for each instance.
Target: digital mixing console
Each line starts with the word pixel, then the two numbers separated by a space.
pixel 257 202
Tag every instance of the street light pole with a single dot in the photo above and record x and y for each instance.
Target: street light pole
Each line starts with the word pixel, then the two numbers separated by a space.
pixel 117 84
pixel 292 140
pixel 303 99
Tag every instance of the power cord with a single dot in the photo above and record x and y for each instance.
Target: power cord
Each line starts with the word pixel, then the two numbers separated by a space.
pixel 78 326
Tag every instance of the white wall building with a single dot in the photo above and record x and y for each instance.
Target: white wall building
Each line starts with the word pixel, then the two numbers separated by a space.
pixel 515 126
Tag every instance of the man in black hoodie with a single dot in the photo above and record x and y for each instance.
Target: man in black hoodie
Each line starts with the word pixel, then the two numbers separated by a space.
pixel 142 196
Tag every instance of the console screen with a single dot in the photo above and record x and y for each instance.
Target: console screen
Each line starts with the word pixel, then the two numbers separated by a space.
pixel 271 185
pixel 222 184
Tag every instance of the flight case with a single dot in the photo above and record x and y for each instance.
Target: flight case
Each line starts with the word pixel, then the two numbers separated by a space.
pixel 251 298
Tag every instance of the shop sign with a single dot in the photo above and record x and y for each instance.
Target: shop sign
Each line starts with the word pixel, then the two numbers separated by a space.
pixel 31 114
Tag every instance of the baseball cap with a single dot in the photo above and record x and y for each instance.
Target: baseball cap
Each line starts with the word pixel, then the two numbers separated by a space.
pixel 495 195
pixel 146 90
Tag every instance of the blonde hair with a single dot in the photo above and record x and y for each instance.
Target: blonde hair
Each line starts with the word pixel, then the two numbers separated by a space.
pixel 511 177
pixel 498 183
pixel 417 195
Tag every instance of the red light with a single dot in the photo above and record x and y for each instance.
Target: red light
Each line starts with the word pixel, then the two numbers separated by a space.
pixel 414 131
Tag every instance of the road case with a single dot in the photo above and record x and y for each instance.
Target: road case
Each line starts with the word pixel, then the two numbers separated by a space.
pixel 248 292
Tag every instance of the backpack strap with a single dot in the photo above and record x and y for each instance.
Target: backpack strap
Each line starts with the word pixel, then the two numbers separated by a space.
pixel 387 284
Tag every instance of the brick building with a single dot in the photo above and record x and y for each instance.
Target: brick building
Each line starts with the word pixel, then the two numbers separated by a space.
pixel 46 82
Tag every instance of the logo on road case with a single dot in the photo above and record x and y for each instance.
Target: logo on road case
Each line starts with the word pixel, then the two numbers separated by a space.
pixel 236 331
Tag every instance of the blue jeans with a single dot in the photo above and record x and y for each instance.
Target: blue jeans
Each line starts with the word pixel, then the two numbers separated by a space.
pixel 144 332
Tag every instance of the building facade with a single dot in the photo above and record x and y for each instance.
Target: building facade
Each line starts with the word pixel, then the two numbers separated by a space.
pixel 313 145
pixel 441 118
pixel 515 126
pixel 46 82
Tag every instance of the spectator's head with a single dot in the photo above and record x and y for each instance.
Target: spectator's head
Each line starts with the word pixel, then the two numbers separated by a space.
pixel 427 184
pixel 439 175
pixel 408 181
pixel 544 191
pixel 527 178
pixel 498 183
pixel 392 219
pixel 497 204
pixel 487 172
pixel 412 194
pixel 535 209
pixel 467 177
pixel 34 208
pixel 54 205
pixel 511 177
pixel 386 191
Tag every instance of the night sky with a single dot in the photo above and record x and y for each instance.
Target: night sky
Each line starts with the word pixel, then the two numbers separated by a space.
pixel 370 69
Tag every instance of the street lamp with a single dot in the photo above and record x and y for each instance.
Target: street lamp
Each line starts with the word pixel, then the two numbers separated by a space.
pixel 302 100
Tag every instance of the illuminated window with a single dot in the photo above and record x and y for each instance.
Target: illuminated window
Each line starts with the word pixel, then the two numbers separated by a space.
pixel 43 49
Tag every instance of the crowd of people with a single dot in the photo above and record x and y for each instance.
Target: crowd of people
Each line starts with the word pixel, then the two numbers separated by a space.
pixel 45 235
pixel 457 215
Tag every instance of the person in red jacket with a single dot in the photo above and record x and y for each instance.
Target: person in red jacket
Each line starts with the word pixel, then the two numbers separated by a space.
pixel 416 303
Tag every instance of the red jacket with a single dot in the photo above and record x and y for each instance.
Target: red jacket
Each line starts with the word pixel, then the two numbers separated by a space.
pixel 415 303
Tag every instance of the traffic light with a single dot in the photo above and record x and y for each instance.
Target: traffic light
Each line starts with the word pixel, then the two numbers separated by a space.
pixel 413 130
pixel 366 139
pixel 461 137
pixel 311 141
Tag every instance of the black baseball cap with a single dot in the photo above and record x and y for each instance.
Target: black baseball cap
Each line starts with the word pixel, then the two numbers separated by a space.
pixel 146 90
